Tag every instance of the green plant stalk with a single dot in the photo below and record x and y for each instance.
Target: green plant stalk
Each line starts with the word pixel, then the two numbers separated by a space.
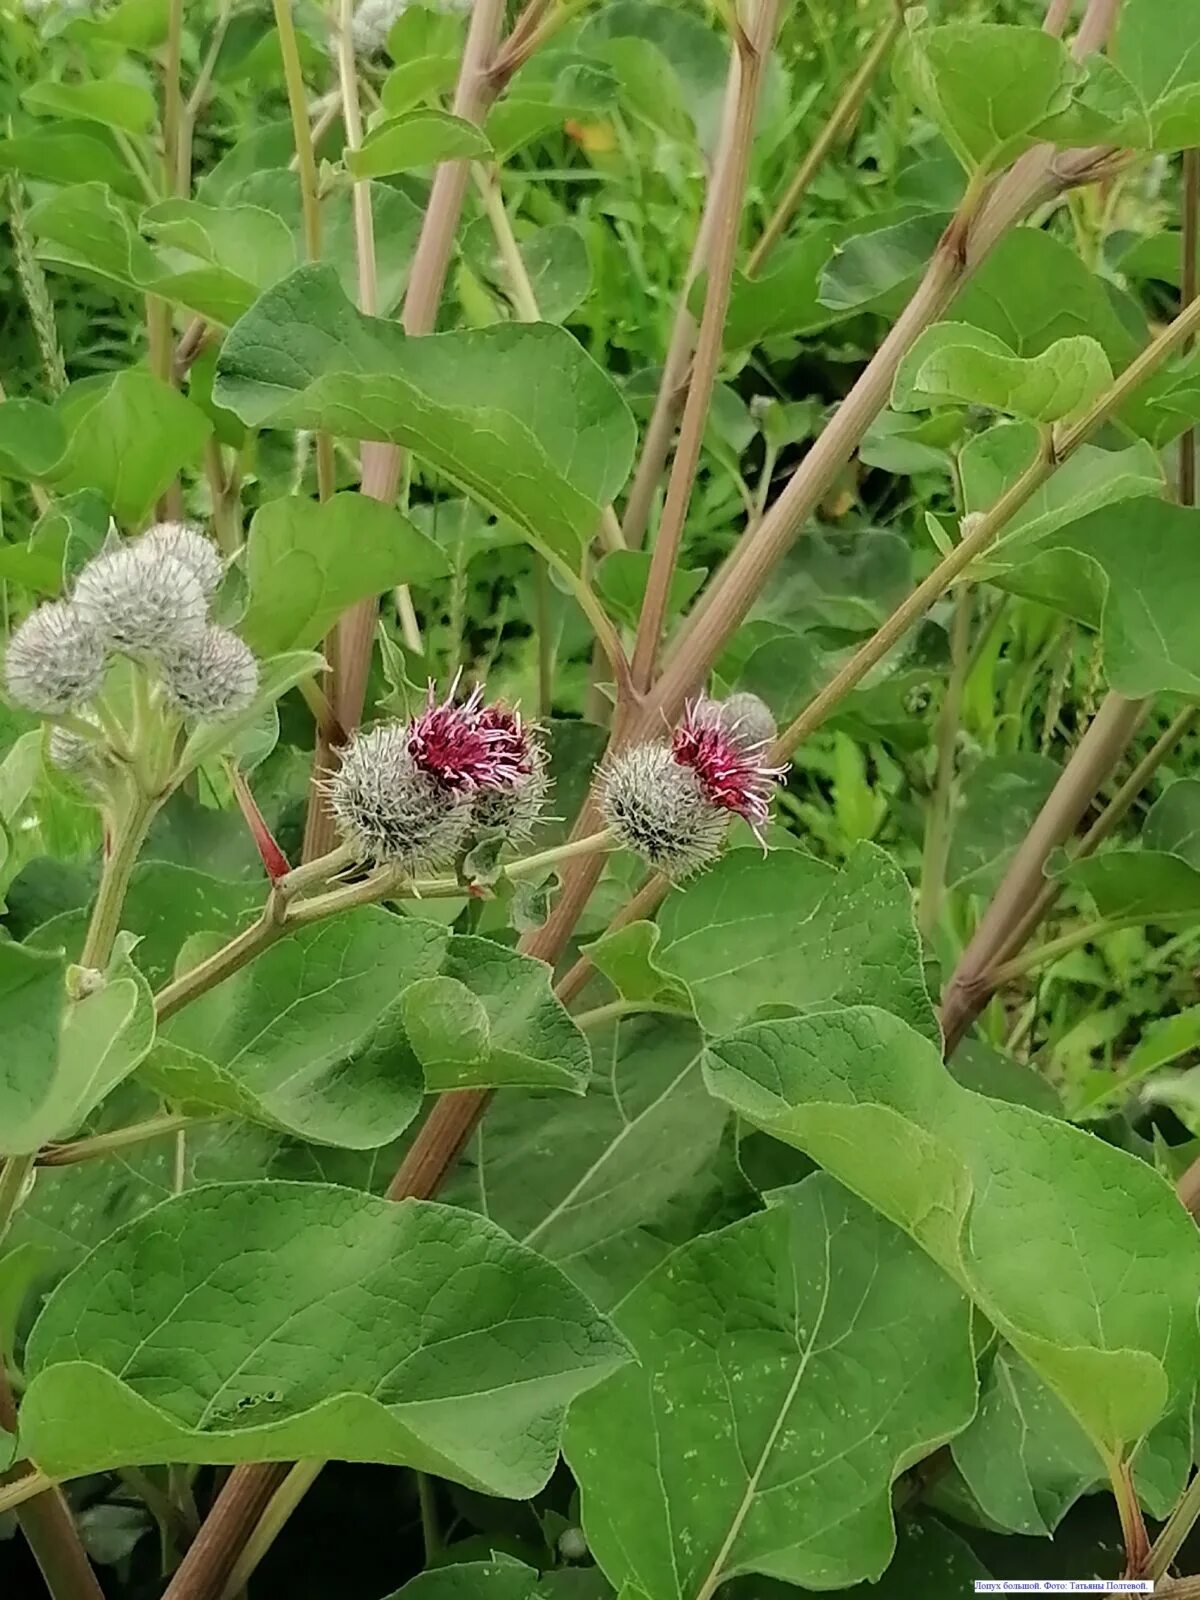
pixel 1043 954
pixel 836 126
pixel 129 835
pixel 731 165
pixel 614 1010
pixel 117 1139
pixel 937 821
pixel 1175 1530
pixel 175 179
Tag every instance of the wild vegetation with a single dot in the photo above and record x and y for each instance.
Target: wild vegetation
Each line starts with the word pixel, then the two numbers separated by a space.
pixel 599 815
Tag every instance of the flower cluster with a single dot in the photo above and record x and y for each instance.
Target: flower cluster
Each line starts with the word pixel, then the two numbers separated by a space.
pixel 672 802
pixel 414 793
pixel 147 599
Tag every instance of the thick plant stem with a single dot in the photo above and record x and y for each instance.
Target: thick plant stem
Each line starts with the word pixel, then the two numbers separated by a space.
pixel 1189 282
pixel 1176 1529
pixel 836 126
pixel 129 836
pixel 1094 758
pixel 279 1508
pixel 748 63
pixel 45 1520
pixel 382 464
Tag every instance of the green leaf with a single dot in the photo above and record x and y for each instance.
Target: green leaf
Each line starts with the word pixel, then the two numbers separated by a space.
pixel 1090 479
pixel 560 273
pixel 997 802
pixel 128 437
pixel 1004 1199
pixel 621 578
pixel 71 155
pixel 1150 884
pixel 166 906
pixel 309 1038
pixel 572 1176
pixel 990 89
pixel 1174 821
pixel 63 1057
pixel 628 959
pixel 414 140
pixel 671 64
pixel 306 561
pixel 1024 1457
pixel 332 1324
pixel 490 1018
pixel 786 931
pixel 32 439
pixel 517 414
pixel 783 298
pixel 1129 567
pixel 473 1580
pixel 786 1367
pixel 865 272
pixel 953 363
pixel 427 47
pixel 126 105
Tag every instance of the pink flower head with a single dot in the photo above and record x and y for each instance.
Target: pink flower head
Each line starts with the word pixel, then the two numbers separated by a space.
pixel 468 746
pixel 731 774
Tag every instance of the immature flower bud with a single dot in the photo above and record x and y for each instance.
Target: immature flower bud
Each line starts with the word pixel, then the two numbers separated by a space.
pixel 658 809
pixel 672 803
pixel 70 751
pixel 55 660
pixel 747 720
pixel 214 679
pixel 186 544
pixel 390 808
pixel 141 604
pixel 515 808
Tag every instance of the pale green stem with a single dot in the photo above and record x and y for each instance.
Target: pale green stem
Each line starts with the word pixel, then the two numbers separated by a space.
pixel 615 1009
pixel 129 836
pixel 1175 1530
pixel 103 1144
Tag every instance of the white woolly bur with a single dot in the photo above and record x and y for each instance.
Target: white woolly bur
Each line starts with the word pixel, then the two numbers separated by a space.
pixel 142 604
pixel 186 544
pixel 658 809
pixel 516 810
pixel 54 661
pixel 216 678
pixel 388 809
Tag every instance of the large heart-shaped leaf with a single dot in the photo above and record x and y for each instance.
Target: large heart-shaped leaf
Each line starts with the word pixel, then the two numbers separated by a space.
pixel 787 1368
pixel 256 1321
pixel 954 363
pixel 1030 1215
pixel 518 413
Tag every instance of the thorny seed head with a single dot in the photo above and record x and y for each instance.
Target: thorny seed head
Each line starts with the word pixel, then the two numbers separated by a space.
pixel 657 807
pixel 55 659
pixel 216 678
pixel 186 544
pixel 730 773
pixel 390 808
pixel 747 720
pixel 468 746
pixel 145 605
pixel 514 809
